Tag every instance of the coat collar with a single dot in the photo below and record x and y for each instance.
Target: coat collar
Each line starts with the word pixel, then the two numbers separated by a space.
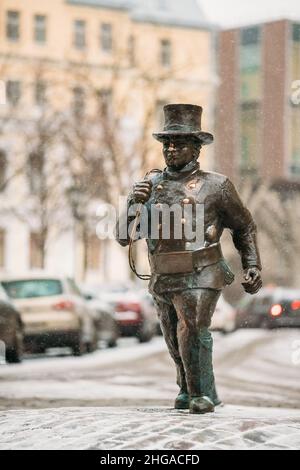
pixel 188 170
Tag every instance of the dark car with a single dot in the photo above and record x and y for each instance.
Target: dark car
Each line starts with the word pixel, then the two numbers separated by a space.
pixel 270 308
pixel 11 330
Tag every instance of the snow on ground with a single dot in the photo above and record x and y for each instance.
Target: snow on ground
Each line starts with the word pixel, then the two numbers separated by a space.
pixel 123 398
pixel 149 429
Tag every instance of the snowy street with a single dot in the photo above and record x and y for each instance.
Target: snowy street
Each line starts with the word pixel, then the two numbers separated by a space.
pixel 122 398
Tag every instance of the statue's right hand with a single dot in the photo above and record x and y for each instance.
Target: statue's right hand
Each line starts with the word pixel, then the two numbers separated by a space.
pixel 142 191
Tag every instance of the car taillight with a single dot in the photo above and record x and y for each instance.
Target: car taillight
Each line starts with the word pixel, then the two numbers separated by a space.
pixel 276 310
pixel 295 305
pixel 128 307
pixel 64 305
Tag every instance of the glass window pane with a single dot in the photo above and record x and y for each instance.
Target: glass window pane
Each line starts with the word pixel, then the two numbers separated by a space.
pixel 106 37
pixel 296 32
pixel 13 92
pixel 250 36
pixel 13 25
pixel 40 28
pixel 79 34
pixel 250 65
pixel 250 138
pixel 26 289
pixel 295 140
pixel 166 53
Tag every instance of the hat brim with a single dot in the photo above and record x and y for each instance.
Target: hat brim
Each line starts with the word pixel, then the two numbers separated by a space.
pixel 204 137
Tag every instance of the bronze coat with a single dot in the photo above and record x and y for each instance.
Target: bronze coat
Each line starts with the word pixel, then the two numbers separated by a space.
pixel 223 209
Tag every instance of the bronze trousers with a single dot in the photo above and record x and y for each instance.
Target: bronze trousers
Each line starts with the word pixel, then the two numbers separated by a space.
pixel 185 317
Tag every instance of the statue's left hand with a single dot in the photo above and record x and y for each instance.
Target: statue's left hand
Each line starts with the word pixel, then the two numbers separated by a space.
pixel 253 280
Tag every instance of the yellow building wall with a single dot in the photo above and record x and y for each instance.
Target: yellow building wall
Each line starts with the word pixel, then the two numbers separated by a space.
pixel 190 78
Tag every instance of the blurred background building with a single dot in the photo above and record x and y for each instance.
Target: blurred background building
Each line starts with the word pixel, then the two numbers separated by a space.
pixel 86 81
pixel 258 136
pixel 82 87
pixel 258 123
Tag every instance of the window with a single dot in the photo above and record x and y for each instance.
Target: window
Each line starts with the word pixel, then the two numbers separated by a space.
pixel 131 51
pixel 78 101
pixel 40 32
pixel 33 288
pixel 105 101
pixel 36 256
pixel 295 56
pixel 166 52
pixel 295 109
pixel 79 34
pixel 296 32
pixel 250 36
pixel 295 140
pixel 106 37
pixel 250 64
pixel 250 138
pixel 40 92
pixel 2 247
pixel 13 92
pixel 3 168
pixel 13 25
pixel 93 252
pixel 35 171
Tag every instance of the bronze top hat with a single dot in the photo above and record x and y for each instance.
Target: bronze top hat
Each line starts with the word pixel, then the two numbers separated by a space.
pixel 183 120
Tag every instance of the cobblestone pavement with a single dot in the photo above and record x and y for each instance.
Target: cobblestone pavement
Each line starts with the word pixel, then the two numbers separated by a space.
pixel 150 429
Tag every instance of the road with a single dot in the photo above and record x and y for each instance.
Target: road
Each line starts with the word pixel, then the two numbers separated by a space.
pixel 257 372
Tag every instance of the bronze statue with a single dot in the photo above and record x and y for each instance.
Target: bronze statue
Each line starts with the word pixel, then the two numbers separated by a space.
pixel 187 279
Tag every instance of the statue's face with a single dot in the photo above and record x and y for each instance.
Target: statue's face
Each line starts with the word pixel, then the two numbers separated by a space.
pixel 178 152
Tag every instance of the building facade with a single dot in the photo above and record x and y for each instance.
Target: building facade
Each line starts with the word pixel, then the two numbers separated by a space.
pixel 258 136
pixel 258 112
pixel 57 59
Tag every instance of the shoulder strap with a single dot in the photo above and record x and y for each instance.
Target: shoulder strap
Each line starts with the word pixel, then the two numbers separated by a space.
pixel 144 277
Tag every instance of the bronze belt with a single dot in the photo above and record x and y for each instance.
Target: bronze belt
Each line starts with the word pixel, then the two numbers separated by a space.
pixel 184 262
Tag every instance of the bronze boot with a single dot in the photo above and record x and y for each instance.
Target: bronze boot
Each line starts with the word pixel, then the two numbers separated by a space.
pixel 182 401
pixel 207 379
pixel 201 405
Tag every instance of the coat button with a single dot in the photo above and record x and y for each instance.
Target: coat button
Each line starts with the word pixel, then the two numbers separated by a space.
pixel 186 201
pixel 159 187
pixel 192 186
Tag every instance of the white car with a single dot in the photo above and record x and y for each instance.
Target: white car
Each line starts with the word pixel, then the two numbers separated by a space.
pixel 224 318
pixel 53 312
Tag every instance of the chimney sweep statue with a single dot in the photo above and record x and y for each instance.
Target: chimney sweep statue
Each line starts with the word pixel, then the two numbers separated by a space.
pixel 187 279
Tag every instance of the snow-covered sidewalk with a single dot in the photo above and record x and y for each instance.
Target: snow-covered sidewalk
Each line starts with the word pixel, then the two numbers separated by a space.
pixel 149 429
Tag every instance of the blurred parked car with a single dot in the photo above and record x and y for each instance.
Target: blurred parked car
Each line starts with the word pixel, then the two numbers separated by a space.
pixel 53 312
pixel 224 318
pixel 104 318
pixel 133 315
pixel 11 329
pixel 270 308
pixel 149 305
